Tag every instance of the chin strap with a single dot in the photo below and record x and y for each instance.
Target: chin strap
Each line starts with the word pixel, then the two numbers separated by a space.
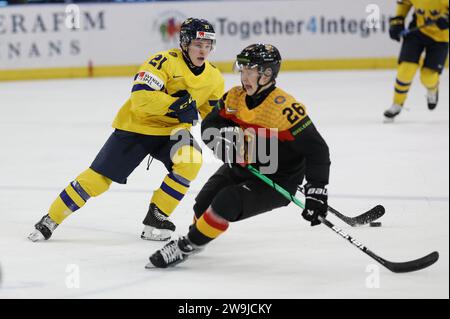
pixel 195 69
pixel 188 59
pixel 259 89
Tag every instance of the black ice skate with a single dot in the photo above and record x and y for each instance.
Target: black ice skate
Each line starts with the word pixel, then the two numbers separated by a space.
pixel 392 112
pixel 173 253
pixel 43 229
pixel 157 225
pixel 432 99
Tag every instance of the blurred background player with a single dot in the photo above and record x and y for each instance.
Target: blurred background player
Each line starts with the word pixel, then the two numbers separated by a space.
pixel 233 193
pixel 428 32
pixel 168 92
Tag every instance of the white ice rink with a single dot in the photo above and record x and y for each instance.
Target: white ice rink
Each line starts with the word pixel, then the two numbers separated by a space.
pixel 51 130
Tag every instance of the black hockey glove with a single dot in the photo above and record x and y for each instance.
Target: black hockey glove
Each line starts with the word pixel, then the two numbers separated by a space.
pixel 230 146
pixel 185 108
pixel 316 203
pixel 396 27
pixel 442 23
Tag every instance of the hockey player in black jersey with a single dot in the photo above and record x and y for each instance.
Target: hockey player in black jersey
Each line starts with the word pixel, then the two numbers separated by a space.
pixel 251 117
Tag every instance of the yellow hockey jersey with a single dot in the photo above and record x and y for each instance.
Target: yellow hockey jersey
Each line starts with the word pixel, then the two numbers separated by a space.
pixel 161 76
pixel 424 11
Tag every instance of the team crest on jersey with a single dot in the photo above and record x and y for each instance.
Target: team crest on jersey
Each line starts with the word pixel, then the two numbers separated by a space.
pixel 173 54
pixel 151 80
pixel 280 100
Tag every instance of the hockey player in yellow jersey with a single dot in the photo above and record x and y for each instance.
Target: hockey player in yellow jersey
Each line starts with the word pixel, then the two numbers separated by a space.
pixel 428 32
pixel 267 114
pixel 168 92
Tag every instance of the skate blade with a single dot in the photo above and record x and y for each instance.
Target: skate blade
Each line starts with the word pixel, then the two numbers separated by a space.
pixel 156 238
pixel 36 236
pixel 150 266
pixel 154 234
pixel 388 120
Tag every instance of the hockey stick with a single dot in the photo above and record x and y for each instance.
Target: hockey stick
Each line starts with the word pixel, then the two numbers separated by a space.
pixel 396 267
pixel 405 32
pixel 360 220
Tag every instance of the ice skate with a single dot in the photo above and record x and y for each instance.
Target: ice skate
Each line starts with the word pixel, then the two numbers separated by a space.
pixel 432 99
pixel 157 227
pixel 173 253
pixel 43 229
pixel 391 113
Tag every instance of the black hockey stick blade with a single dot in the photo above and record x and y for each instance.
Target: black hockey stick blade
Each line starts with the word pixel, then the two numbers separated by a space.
pixel 413 265
pixel 363 219
pixel 360 220
pixel 396 267
pixel 368 217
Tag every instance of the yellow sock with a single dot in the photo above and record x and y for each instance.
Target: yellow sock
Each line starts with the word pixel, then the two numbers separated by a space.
pixel 405 76
pixel 88 184
pixel 169 195
pixel 187 162
pixel 429 78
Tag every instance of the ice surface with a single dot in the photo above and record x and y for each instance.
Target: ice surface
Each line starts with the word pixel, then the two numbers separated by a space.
pixel 51 130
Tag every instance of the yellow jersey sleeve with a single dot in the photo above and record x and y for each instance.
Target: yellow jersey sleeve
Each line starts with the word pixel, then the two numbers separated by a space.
pixel 148 95
pixel 403 7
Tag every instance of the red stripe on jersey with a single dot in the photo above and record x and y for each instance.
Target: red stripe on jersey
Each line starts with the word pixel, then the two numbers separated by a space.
pixel 214 221
pixel 260 131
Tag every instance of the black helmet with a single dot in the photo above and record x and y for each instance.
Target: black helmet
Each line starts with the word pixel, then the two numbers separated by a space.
pixel 262 56
pixel 193 28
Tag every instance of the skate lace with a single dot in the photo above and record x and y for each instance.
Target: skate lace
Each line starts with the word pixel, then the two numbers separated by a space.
pixel 160 217
pixel 171 252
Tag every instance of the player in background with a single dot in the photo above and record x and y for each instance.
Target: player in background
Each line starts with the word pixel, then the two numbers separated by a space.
pixel 168 92
pixel 429 34
pixel 233 193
